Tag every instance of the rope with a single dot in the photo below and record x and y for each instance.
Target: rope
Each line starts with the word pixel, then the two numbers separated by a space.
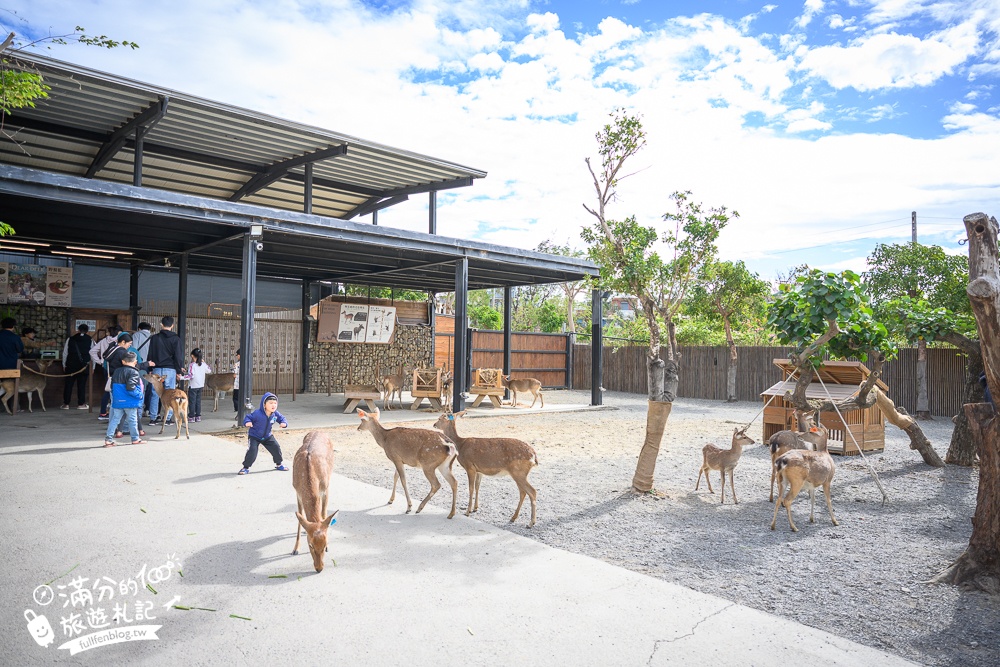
pixel 47 375
pixel 768 402
pixel 847 429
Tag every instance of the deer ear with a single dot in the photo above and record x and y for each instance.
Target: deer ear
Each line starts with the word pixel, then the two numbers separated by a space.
pixel 302 520
pixel 362 414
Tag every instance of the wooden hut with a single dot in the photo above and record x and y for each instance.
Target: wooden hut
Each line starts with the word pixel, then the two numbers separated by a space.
pixel 842 379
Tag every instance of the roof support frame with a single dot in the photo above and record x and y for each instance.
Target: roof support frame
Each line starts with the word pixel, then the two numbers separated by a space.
pixel 117 139
pixel 276 171
pixel 375 204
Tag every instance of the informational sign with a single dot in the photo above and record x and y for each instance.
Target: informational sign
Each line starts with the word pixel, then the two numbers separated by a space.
pixel 36 285
pixel 91 326
pixel 355 323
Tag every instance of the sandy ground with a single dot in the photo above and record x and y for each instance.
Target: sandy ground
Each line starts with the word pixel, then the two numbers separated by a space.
pixel 864 580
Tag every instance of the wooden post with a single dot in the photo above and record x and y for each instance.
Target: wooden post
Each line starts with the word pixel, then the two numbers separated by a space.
pixel 90 386
pixel 17 387
pixel 295 363
pixel 277 365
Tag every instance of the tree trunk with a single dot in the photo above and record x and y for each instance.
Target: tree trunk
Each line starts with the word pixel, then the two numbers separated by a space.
pixel 962 450
pixel 898 417
pixel 979 566
pixel 923 403
pixel 663 379
pixel 734 358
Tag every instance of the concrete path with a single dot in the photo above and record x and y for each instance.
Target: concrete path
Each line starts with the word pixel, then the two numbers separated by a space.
pixel 404 589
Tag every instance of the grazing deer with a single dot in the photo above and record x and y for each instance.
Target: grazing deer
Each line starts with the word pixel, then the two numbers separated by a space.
pixel 220 383
pixel 172 399
pixel 415 447
pixel 810 437
pixel 30 382
pixel 801 468
pixel 723 460
pixel 524 385
pixel 492 456
pixel 391 385
pixel 311 470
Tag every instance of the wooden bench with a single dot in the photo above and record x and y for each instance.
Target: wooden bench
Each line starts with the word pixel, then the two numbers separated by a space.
pixel 486 383
pixel 355 393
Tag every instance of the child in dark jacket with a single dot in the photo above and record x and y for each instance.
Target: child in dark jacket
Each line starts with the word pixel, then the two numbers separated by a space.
pixel 126 399
pixel 260 422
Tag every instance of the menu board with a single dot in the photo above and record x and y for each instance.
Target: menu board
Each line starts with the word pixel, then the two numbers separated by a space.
pixel 35 284
pixel 355 323
pixel 59 286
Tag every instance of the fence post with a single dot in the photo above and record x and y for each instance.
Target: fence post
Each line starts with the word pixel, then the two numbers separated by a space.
pixel 295 363
pixel 569 361
pixel 277 365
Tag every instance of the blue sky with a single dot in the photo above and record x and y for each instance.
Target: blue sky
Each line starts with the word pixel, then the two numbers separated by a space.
pixel 823 122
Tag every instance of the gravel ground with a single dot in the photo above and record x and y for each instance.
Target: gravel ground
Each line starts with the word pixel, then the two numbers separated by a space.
pixel 864 580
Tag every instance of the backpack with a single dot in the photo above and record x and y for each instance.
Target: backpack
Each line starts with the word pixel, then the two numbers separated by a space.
pixel 107 355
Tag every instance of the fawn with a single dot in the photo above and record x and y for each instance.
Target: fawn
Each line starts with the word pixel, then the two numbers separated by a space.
pixel 417 448
pixel 172 399
pixel 492 456
pixel 801 468
pixel 29 382
pixel 524 385
pixel 447 378
pixel 811 437
pixel 391 385
pixel 723 460
pixel 311 470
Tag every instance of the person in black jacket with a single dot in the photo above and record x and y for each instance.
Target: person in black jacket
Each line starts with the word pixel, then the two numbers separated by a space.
pixel 76 355
pixel 165 358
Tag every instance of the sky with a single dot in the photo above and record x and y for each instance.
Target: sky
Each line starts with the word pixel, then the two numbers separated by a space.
pixel 823 123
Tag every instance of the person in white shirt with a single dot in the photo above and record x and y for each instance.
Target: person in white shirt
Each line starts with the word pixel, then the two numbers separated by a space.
pixel 197 370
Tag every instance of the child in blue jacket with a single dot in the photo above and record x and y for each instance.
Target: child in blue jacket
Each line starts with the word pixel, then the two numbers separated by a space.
pixel 126 399
pixel 260 421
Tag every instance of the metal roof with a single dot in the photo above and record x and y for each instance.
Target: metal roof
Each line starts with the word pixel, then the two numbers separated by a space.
pixel 87 127
pixel 210 171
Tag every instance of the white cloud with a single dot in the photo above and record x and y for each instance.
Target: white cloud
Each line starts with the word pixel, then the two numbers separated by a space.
pixel 809 11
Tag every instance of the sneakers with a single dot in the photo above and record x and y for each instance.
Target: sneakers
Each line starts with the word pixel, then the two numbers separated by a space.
pixel 82 407
pixel 103 417
pixel 170 422
pixel 64 407
pixel 281 467
pixel 156 422
pixel 197 419
pixel 243 471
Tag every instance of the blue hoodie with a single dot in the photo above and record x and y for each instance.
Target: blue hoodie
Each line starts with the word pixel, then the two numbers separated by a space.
pixel 259 423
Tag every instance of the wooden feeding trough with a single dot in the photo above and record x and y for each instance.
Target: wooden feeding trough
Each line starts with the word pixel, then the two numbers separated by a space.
pixel 487 382
pixel 355 393
pixel 842 379
pixel 426 384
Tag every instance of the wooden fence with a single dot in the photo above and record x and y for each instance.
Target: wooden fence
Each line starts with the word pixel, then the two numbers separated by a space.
pixel 703 374
pixel 276 347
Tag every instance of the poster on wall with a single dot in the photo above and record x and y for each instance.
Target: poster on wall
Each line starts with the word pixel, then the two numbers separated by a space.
pixel 91 326
pixel 59 286
pixel 4 268
pixel 355 323
pixel 26 284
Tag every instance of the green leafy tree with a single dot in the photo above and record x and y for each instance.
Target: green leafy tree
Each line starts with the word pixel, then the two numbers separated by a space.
pixel 482 315
pixel 631 262
pixel 829 314
pixel 377 292
pixel 919 272
pixel 730 293
pixel 571 290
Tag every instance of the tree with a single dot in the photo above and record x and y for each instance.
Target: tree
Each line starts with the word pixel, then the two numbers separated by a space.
pixel 829 314
pixel 916 319
pixel 979 565
pixel 630 264
pixel 727 291
pixel 919 272
pixel 482 315
pixel 571 290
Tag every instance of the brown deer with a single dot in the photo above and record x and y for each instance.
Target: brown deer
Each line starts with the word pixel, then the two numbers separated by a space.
pixel 524 385
pixel 415 447
pixel 29 382
pixel 804 469
pixel 810 437
pixel 172 399
pixel 311 470
pixel 492 456
pixel 723 460
pixel 447 378
pixel 391 385
pixel 220 383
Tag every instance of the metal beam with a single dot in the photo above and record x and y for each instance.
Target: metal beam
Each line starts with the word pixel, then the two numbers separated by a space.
pixel 276 171
pixel 182 300
pixel 432 215
pixel 306 332
pixel 596 349
pixel 247 309
pixel 462 182
pixel 137 158
pixel 507 317
pixel 375 274
pixel 307 190
pixel 375 204
pixel 458 364
pixel 117 139
pixel 195 250
pixel 133 295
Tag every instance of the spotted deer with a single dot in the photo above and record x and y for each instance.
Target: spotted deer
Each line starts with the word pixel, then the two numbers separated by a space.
pixel 524 385
pixel 172 399
pixel 804 469
pixel 30 381
pixel 723 460
pixel 811 436
pixel 311 470
pixel 391 385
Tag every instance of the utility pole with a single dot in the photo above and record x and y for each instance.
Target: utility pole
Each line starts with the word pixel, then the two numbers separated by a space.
pixel 913 225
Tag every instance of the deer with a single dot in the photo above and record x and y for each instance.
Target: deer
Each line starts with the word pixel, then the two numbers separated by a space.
pixel 220 383
pixel 447 378
pixel 723 460
pixel 311 470
pixel 418 448
pixel 804 469
pixel 809 438
pixel 492 456
pixel 391 385
pixel 29 382
pixel 172 399
pixel 524 385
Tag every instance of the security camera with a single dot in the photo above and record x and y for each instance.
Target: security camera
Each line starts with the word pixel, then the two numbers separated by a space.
pixel 259 246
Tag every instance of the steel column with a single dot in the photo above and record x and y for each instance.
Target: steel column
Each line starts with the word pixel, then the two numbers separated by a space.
pixel 596 348
pixel 507 315
pixel 137 158
pixel 432 212
pixel 182 299
pixel 461 323
pixel 307 190
pixel 133 295
pixel 247 309
pixel 306 332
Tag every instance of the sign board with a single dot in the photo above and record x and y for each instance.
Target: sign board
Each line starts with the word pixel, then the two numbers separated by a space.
pixel 4 272
pixel 36 285
pixel 355 323
pixel 59 286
